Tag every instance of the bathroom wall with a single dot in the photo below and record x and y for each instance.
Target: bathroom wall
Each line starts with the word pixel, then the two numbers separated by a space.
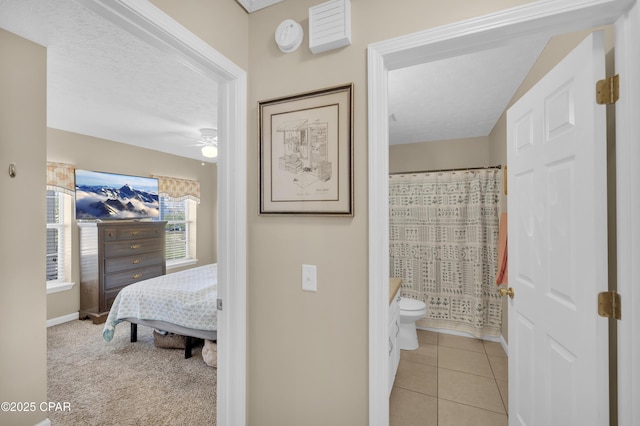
pixel 449 154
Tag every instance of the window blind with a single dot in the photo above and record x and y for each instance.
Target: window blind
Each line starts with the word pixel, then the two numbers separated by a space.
pixel 175 212
pixel 55 237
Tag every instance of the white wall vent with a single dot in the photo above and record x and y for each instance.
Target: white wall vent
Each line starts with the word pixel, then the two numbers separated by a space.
pixel 329 25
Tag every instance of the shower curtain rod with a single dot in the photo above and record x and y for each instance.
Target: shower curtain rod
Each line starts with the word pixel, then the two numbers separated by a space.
pixel 446 170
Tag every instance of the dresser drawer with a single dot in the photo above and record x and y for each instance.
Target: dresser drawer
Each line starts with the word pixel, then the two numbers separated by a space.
pixel 120 234
pixel 121 279
pixel 131 247
pixel 137 261
pixel 109 297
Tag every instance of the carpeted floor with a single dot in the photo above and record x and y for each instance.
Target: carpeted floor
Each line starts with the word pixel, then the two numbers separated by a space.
pixel 123 383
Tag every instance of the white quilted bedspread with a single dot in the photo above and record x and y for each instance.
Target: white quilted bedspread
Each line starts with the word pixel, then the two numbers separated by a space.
pixel 186 298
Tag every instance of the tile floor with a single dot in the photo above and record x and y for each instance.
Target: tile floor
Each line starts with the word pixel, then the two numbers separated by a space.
pixel 450 380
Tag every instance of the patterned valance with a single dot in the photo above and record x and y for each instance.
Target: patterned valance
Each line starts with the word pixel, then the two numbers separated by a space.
pixel 60 177
pixel 179 189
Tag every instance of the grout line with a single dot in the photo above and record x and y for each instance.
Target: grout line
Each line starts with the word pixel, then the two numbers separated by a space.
pixel 437 366
pixel 466 372
pixel 506 409
pixel 415 391
pixel 473 406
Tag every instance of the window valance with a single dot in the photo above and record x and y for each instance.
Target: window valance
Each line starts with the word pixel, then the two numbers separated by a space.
pixel 61 177
pixel 179 189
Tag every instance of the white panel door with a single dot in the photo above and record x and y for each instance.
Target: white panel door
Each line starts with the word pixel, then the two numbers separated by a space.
pixel 558 345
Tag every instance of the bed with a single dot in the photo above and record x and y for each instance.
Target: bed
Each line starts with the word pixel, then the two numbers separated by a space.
pixel 182 302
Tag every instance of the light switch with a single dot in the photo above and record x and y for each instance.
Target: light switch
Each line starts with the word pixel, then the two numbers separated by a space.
pixel 309 278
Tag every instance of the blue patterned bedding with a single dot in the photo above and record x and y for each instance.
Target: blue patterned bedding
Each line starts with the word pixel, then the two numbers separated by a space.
pixel 186 298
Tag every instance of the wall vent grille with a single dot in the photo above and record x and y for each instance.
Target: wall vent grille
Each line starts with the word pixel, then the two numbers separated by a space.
pixel 329 25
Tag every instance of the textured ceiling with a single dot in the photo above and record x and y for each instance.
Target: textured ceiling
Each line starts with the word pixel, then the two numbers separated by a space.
pixel 459 97
pixel 104 82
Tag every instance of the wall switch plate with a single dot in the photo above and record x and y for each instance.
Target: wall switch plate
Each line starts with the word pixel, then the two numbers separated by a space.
pixel 309 278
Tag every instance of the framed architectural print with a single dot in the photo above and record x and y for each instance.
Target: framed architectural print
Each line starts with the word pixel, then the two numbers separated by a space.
pixel 306 153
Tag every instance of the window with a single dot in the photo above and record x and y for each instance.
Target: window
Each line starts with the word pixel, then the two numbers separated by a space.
pixel 55 236
pixel 179 199
pixel 180 230
pixel 60 190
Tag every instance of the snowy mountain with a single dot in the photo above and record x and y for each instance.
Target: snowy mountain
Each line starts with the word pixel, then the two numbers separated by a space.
pixel 126 202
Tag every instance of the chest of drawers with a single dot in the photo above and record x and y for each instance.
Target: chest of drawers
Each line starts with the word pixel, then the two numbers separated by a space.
pixel 114 255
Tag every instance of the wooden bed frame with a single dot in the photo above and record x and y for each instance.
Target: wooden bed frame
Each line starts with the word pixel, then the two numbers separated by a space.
pixel 191 335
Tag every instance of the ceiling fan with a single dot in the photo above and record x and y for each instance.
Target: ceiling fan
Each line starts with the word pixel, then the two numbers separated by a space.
pixel 208 142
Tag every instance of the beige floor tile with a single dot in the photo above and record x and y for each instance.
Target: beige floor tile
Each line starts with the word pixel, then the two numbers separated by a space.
pixel 427 336
pixel 454 414
pixel 408 408
pixel 494 348
pixel 465 361
pixel 468 393
pixel 417 377
pixel 425 354
pixel 469 389
pixel 500 367
pixel 460 342
pixel 503 387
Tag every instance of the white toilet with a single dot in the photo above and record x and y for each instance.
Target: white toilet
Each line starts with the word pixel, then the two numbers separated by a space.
pixel 411 310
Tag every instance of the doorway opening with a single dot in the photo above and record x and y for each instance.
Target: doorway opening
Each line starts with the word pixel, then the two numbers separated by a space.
pixel 428 46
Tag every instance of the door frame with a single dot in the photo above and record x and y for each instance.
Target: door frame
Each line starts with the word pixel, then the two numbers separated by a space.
pixel 548 17
pixel 150 24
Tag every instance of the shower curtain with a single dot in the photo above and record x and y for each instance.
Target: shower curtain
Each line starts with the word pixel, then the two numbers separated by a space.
pixel 443 235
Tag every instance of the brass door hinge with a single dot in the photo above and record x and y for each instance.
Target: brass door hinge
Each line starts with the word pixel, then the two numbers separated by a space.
pixel 607 90
pixel 609 305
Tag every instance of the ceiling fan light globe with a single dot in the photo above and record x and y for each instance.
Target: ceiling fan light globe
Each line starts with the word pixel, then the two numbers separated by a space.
pixel 209 151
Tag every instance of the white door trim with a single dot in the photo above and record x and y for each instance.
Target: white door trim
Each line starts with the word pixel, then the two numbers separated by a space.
pixel 154 26
pixel 554 17
pixel 627 57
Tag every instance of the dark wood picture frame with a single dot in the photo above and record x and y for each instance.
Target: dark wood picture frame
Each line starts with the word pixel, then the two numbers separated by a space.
pixel 306 153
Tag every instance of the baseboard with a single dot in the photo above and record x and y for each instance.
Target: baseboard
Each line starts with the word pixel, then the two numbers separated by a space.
pixel 504 344
pixel 457 333
pixel 498 339
pixel 65 318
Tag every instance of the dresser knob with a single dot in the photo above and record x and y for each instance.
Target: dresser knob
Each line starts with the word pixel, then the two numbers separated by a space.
pixel 136 276
pixel 135 246
pixel 136 261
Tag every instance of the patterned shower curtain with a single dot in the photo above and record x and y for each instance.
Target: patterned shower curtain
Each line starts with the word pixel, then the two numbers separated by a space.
pixel 443 238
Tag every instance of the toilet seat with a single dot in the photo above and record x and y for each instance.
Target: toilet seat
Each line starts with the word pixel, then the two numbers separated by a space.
pixel 407 304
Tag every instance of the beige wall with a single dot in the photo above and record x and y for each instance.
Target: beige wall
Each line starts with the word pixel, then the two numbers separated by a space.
pixel 23 354
pixel 85 152
pixel 308 352
pixel 437 155
pixel 223 24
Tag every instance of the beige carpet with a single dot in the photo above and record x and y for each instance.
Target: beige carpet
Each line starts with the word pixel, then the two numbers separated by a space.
pixel 123 383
